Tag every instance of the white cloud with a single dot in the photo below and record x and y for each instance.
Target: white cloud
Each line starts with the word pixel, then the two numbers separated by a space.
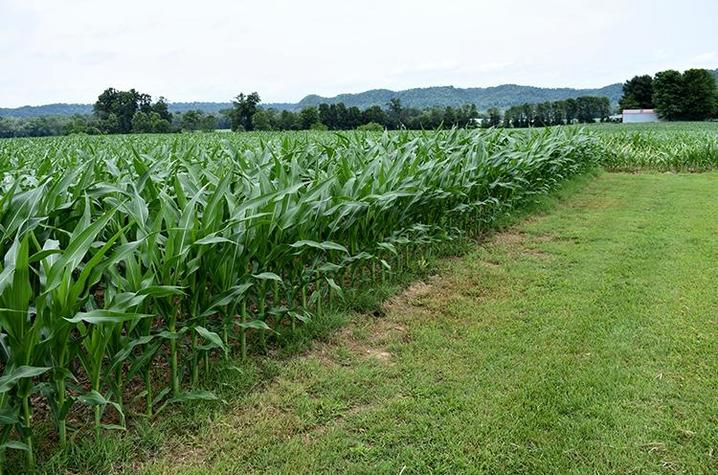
pixel 69 51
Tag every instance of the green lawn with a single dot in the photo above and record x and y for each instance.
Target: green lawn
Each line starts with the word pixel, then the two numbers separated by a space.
pixel 584 340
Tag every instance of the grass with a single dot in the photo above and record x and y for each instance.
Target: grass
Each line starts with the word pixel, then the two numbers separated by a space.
pixel 581 341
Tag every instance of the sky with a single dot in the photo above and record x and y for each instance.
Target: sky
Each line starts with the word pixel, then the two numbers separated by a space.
pixel 211 50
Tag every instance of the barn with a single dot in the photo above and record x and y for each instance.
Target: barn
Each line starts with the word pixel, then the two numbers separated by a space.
pixel 639 115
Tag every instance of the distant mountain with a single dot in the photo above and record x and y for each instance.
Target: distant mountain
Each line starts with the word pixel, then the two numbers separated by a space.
pixel 503 96
pixel 47 109
pixel 71 109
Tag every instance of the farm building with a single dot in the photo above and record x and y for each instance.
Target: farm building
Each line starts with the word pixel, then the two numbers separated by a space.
pixel 639 115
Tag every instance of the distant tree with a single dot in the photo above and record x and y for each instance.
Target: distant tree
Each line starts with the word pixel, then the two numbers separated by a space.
pixel 542 114
pixel 190 120
pixel 261 120
pixel 159 124
pixel 110 123
pixel 494 117
pixel 308 117
pixel 637 93
pixel 195 120
pixel 328 115
pixel 141 123
pixel 375 114
pixel 162 109
pixel 396 113
pixel 354 117
pixel 116 110
pixel 318 126
pixel 668 94
pixel 466 115
pixel 341 114
pixel 570 110
pixel 699 95
pixel 81 124
pixel 585 109
pixel 527 114
pixel 558 113
pixel 149 122
pixel 243 108
pixel 371 127
pixel 602 108
pixel 288 121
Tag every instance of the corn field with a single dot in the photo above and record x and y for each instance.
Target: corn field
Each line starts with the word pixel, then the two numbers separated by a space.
pixel 688 147
pixel 144 259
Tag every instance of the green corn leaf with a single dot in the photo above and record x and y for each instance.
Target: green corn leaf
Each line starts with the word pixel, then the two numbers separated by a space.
pixel 11 378
pixel 214 340
pixel 15 445
pixel 105 316
pixel 267 276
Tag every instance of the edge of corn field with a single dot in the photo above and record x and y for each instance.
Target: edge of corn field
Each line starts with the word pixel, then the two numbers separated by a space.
pixel 236 380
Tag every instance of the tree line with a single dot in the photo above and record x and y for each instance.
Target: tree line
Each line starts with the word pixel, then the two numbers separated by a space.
pixel 691 95
pixel 122 112
pixel 584 109
pixel 247 114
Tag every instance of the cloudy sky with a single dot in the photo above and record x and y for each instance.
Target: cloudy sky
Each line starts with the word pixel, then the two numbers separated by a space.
pixel 210 50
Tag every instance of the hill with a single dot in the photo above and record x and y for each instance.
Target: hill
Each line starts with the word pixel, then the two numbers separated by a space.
pixel 503 96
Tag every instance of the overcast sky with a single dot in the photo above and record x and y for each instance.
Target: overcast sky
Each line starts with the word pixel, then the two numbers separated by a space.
pixel 210 50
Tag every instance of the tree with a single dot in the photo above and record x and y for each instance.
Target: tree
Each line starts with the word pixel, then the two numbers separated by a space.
pixel 637 93
pixel 162 109
pixel 328 116
pixel 116 110
pixel 466 115
pixel 371 127
pixel 699 94
pixel 375 114
pixel 354 118
pixel 261 120
pixel 141 123
pixel 159 125
pixel 243 108
pixel 395 113
pixel 668 94
pixel 586 109
pixel 149 122
pixel 308 117
pixel 570 110
pixel 542 114
pixel 494 116
pixel 196 120
pixel 288 121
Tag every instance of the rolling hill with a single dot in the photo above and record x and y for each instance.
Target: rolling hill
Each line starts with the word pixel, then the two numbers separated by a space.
pixel 502 96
